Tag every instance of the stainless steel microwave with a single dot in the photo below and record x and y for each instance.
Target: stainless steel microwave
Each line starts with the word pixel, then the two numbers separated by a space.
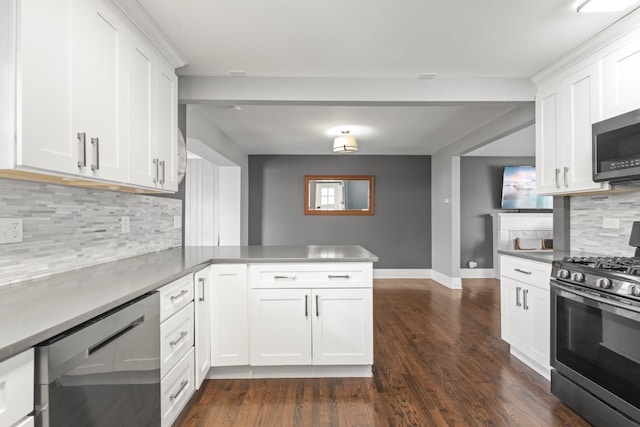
pixel 616 148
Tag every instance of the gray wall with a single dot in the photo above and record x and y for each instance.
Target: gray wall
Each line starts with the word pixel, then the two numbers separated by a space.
pixel 399 232
pixel 480 193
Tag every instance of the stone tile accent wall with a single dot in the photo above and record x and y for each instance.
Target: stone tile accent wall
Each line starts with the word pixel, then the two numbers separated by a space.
pixel 587 213
pixel 66 228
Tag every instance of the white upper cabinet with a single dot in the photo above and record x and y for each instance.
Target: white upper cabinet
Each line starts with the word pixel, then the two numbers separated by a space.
pixel 50 35
pixel 565 112
pixel 95 100
pixel 621 82
pixel 106 69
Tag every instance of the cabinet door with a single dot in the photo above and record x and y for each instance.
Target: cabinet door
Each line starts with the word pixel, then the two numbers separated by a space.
pixel 202 332
pixel 621 84
pixel 280 327
pixel 547 141
pixel 106 69
pixel 167 126
pixel 141 102
pixel 342 327
pixel 50 84
pixel 582 107
pixel 512 320
pixel 535 304
pixel 229 321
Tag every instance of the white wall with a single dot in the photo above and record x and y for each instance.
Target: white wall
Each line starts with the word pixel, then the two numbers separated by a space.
pixel 205 140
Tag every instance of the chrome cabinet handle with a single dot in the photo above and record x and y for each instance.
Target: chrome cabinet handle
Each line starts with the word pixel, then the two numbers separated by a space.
pixel 162 179
pixel 183 384
pixel 182 292
pixel 82 149
pixel 317 307
pixel 292 277
pixel 339 276
pixel 180 338
pixel 306 306
pixel 201 280
pixel 566 183
pixel 155 165
pixel 522 271
pixel 518 297
pixel 557 178
pixel 525 292
pixel 96 154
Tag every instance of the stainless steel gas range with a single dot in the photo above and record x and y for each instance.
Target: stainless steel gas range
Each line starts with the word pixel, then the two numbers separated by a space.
pixel 595 338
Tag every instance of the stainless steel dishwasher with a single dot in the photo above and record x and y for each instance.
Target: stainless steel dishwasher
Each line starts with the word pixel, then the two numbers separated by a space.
pixel 105 372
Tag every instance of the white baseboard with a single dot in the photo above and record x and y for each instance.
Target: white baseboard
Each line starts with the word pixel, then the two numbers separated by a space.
pixel 303 371
pixel 448 281
pixel 477 273
pixel 399 273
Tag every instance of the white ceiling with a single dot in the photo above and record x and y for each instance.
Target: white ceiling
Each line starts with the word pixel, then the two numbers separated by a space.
pixel 367 39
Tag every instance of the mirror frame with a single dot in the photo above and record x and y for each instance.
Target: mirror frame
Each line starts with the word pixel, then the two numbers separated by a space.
pixel 308 178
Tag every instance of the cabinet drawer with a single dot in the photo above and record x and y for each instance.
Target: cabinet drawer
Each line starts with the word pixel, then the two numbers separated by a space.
pixel 320 275
pixel 176 338
pixel 16 388
pixel 175 295
pixel 532 272
pixel 176 389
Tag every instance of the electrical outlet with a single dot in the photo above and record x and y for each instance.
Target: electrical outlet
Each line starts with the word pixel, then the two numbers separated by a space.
pixel 177 221
pixel 10 230
pixel 126 226
pixel 610 223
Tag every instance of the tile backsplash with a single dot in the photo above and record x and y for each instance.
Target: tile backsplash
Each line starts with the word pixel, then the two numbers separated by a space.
pixel 65 228
pixel 586 218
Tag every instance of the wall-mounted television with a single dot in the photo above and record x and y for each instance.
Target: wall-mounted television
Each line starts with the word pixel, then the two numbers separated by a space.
pixel 519 189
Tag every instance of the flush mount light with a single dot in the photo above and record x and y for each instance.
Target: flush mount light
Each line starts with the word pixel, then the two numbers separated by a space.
pixel 345 143
pixel 589 6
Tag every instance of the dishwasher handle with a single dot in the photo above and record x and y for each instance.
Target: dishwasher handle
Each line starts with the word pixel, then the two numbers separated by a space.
pixel 60 354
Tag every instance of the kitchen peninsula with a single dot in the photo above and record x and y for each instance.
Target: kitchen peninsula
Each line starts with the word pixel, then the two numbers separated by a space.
pixel 250 311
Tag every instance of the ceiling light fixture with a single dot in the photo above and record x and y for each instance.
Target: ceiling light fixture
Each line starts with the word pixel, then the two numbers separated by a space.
pixel 345 143
pixel 589 6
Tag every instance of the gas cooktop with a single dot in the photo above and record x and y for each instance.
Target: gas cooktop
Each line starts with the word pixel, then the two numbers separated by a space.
pixel 611 275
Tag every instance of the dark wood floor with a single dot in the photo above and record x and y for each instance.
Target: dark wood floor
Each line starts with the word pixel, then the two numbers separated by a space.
pixel 439 361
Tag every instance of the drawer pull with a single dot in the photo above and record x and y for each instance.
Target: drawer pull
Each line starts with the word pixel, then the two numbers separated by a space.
pixel 339 276
pixel 182 292
pixel 180 338
pixel 183 384
pixel 292 277
pixel 522 271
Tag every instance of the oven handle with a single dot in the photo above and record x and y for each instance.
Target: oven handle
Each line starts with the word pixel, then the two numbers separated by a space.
pixel 601 302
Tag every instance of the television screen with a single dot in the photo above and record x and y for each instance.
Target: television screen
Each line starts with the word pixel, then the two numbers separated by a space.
pixel 519 189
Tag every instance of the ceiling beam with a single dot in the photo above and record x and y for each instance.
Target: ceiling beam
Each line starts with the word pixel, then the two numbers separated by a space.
pixel 351 91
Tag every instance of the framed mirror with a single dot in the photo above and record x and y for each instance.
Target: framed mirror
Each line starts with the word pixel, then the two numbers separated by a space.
pixel 338 195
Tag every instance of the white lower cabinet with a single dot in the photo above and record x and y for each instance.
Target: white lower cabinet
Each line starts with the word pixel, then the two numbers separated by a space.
pixel 311 326
pixel 229 319
pixel 525 313
pixel 202 344
pixel 280 327
pixel 176 389
pixel 311 314
pixel 177 360
pixel 16 389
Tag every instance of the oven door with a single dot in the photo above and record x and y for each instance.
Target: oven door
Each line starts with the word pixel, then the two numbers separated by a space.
pixel 595 342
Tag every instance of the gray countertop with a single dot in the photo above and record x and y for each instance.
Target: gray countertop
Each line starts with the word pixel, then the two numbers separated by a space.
pixel 545 255
pixel 33 311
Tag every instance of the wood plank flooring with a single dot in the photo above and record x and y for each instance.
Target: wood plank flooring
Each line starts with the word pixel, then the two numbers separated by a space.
pixel 439 361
